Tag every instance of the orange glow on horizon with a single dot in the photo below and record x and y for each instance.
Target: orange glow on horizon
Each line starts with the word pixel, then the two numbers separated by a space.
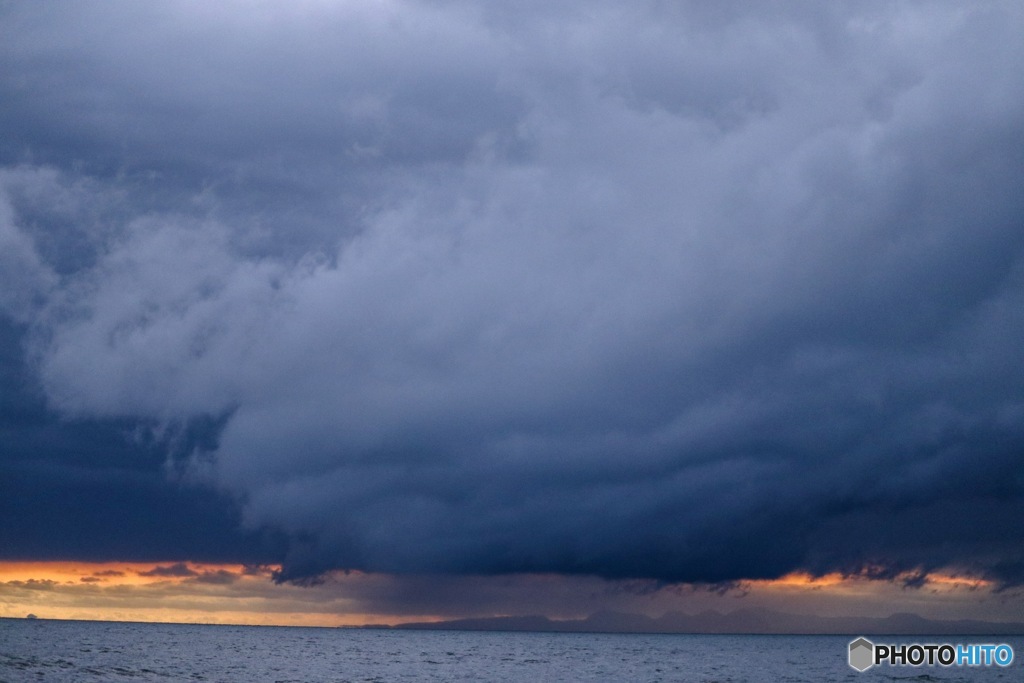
pixel 172 592
pixel 191 592
pixel 175 592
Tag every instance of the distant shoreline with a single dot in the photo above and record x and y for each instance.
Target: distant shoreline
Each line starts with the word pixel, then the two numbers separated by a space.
pixel 738 623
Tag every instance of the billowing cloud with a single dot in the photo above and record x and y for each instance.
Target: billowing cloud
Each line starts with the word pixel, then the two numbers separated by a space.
pixel 690 293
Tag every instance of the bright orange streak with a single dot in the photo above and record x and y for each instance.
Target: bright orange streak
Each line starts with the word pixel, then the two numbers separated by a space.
pixel 801 580
pixel 836 580
pixel 120 573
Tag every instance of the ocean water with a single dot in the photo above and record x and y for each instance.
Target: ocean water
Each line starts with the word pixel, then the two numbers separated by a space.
pixel 41 650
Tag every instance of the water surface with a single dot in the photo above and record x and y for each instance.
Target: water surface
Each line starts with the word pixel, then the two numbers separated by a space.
pixel 43 650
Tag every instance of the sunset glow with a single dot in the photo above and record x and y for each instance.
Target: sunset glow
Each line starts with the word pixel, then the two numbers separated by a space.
pixel 236 594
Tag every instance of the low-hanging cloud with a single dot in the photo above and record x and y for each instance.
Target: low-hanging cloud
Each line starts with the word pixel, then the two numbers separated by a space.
pixel 178 570
pixel 739 295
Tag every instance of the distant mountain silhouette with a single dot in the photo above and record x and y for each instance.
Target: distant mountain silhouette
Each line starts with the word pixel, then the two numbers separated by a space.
pixel 753 620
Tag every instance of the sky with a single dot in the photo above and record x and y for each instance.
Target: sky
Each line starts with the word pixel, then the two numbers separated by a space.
pixel 405 309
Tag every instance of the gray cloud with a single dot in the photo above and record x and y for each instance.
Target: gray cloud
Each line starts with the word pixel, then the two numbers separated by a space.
pixel 219 577
pixel 177 570
pixel 637 292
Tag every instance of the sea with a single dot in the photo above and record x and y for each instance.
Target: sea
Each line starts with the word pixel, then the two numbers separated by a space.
pixel 45 650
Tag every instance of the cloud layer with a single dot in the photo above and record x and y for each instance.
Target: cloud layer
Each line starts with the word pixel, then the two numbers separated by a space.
pixel 693 293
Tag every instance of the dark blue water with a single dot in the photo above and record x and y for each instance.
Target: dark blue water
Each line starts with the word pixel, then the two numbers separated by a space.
pixel 102 651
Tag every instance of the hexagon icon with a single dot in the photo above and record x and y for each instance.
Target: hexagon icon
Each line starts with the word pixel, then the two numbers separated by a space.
pixel 862 654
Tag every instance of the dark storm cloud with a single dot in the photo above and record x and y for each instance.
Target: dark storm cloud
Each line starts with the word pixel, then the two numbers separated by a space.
pixel 691 293
pixel 88 490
